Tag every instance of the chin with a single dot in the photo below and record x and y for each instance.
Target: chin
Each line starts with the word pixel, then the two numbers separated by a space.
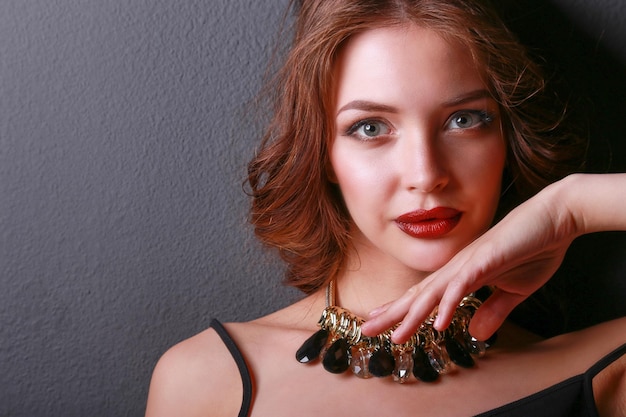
pixel 427 264
pixel 432 257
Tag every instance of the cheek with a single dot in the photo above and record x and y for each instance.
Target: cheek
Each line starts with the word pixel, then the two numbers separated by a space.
pixel 358 176
pixel 349 174
pixel 485 172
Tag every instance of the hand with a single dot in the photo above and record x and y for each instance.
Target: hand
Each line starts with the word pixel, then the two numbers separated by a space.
pixel 517 256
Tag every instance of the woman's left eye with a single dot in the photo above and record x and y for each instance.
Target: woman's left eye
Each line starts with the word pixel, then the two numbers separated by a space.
pixel 467 119
pixel 368 129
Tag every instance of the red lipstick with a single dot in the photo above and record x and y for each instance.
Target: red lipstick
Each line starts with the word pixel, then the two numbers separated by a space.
pixel 429 224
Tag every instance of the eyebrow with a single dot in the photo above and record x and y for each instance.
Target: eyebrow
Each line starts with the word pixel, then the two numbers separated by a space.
pixel 467 97
pixel 369 106
pixel 365 105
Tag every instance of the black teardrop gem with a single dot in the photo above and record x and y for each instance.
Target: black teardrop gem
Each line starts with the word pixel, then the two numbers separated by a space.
pixel 422 369
pixel 492 340
pixel 483 293
pixel 382 363
pixel 311 348
pixel 458 354
pixel 337 357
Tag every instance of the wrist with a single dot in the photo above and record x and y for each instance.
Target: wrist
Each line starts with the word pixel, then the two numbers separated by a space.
pixel 592 202
pixel 569 198
pixel 563 202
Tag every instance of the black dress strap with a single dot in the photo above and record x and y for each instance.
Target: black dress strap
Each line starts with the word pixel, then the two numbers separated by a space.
pixel 241 364
pixel 595 370
pixel 572 397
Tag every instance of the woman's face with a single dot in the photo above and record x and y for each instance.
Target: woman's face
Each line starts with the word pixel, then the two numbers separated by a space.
pixel 418 152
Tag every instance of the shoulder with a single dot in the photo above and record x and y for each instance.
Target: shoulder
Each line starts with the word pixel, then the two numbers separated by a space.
pixel 196 377
pixel 595 340
pixel 609 385
pixel 609 389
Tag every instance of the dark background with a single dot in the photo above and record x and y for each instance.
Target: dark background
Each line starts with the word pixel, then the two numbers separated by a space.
pixel 124 134
pixel 583 48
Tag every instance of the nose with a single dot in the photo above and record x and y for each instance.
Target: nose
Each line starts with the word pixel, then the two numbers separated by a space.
pixel 423 165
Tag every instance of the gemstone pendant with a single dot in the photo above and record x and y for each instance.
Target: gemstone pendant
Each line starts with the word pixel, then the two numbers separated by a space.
pixel 382 363
pixel 337 358
pixel 404 365
pixel 359 362
pixel 492 340
pixel 475 346
pixel 422 368
pixel 312 347
pixel 458 354
pixel 439 359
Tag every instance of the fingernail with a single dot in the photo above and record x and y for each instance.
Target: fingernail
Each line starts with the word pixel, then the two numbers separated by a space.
pixel 397 338
pixel 438 325
pixel 375 312
pixel 365 326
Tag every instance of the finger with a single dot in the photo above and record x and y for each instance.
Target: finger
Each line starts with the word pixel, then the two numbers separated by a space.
pixel 389 314
pixel 465 281
pixel 454 293
pixel 379 310
pixel 490 316
pixel 418 311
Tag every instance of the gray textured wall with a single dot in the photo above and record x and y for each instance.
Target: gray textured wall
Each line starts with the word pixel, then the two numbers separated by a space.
pixel 123 143
pixel 124 136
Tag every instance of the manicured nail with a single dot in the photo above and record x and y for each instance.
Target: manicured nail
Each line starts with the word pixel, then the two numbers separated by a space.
pixel 438 324
pixel 365 326
pixel 377 311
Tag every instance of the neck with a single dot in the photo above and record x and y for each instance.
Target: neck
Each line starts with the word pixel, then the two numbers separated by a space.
pixel 361 289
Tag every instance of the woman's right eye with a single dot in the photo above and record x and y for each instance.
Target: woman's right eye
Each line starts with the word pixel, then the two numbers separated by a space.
pixel 368 129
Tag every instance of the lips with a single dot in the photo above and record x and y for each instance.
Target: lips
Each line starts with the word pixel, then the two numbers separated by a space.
pixel 429 224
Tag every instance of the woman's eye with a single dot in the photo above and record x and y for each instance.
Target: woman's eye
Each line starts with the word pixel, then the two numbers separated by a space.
pixel 469 119
pixel 368 129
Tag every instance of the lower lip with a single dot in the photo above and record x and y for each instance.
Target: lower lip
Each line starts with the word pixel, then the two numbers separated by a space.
pixel 429 229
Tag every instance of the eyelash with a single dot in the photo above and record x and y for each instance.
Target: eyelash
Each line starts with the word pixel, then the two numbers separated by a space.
pixel 352 130
pixel 485 119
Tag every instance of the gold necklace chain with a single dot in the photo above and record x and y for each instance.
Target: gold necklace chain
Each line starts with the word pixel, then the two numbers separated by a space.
pixel 426 355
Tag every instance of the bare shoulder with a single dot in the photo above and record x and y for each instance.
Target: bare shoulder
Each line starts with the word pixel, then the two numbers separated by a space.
pixel 609 385
pixel 603 337
pixel 196 377
pixel 609 389
pixel 199 377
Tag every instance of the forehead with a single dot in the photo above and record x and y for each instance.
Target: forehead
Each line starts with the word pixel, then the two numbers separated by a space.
pixel 405 60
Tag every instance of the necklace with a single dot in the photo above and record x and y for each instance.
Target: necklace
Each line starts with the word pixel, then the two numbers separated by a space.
pixel 426 355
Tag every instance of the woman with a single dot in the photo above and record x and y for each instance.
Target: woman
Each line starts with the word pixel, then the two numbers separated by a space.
pixel 398 127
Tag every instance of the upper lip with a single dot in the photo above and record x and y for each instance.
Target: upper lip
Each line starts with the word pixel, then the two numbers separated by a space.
pixel 422 215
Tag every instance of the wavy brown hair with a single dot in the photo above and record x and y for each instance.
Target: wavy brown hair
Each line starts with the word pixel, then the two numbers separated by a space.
pixel 296 209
